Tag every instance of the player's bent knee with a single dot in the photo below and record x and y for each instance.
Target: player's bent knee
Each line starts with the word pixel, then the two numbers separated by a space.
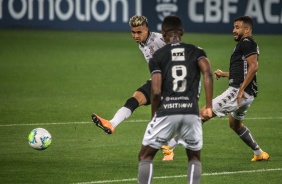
pixel 140 97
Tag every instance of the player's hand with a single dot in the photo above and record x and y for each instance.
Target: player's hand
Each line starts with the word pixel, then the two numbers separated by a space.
pixel 218 74
pixel 240 95
pixel 206 114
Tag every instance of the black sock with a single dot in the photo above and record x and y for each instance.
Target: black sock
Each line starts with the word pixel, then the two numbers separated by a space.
pixel 245 134
pixel 131 104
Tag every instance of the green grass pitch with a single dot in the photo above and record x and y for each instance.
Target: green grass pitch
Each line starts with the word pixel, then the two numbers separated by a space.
pixel 57 79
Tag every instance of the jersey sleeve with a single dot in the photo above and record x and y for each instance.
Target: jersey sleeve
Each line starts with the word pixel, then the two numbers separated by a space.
pixel 201 53
pixel 248 47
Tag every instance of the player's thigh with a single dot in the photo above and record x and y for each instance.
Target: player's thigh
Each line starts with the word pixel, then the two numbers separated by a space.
pixel 140 97
pixel 240 113
pixel 225 102
pixel 145 89
pixel 147 153
pixel 190 133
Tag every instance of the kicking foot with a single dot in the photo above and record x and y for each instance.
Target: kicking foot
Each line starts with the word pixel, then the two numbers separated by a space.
pixel 103 124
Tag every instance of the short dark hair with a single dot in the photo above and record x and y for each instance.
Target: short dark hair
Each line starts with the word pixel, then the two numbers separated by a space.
pixel 172 23
pixel 246 20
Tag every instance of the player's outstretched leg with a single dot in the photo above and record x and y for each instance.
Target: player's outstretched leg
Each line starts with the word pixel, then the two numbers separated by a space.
pixel 103 124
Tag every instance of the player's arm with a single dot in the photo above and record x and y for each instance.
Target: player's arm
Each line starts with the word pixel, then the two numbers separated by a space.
pixel 206 71
pixel 252 70
pixel 155 92
pixel 218 73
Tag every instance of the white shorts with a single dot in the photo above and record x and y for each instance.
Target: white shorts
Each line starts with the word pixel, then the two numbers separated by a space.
pixel 161 129
pixel 227 103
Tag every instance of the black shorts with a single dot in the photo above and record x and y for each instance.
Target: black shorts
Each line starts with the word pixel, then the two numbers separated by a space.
pixel 146 90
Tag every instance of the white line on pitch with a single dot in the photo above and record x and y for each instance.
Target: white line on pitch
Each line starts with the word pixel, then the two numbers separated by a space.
pixel 183 176
pixel 35 124
pixel 138 120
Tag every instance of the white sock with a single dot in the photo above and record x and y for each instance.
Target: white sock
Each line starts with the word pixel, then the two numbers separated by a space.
pixel 121 115
pixel 257 152
pixel 172 143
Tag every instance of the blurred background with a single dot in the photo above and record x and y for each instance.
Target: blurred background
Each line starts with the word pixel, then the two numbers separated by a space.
pixel 208 16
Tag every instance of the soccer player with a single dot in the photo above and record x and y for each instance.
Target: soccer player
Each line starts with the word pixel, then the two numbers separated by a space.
pixel 242 89
pixel 148 42
pixel 176 71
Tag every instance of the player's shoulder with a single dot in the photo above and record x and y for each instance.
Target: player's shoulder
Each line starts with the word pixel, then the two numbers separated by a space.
pixel 163 49
pixel 192 46
pixel 155 37
pixel 187 46
pixel 156 34
pixel 247 41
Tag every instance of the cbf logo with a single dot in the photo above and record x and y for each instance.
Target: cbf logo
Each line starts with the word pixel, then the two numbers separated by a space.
pixel 165 8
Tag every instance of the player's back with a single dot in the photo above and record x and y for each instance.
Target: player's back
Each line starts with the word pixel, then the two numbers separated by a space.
pixel 178 63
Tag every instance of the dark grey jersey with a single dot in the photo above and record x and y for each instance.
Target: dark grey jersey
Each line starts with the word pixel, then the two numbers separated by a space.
pixel 178 64
pixel 239 67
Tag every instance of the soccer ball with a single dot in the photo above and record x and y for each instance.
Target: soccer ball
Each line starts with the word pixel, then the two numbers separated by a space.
pixel 39 139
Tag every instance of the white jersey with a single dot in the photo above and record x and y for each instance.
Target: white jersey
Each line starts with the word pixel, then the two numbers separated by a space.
pixel 152 44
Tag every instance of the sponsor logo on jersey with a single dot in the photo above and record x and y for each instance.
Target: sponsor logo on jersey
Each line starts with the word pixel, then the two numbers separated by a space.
pixel 177 105
pixel 152 50
pixel 177 54
pixel 177 98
